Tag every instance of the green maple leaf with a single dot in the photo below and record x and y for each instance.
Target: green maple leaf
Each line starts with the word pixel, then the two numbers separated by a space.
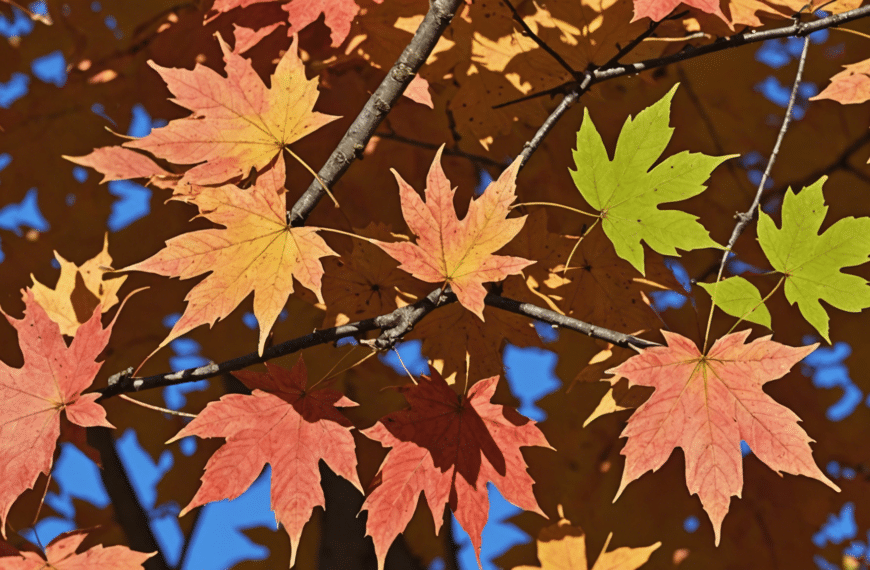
pixel 810 262
pixel 627 193
pixel 739 298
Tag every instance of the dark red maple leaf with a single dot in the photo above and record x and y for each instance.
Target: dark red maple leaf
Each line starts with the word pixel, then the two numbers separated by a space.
pixel 448 446
pixel 282 424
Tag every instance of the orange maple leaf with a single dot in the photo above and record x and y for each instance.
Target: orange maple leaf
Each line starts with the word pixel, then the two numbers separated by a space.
pixel 119 163
pixel 32 397
pixel 258 251
pixel 337 14
pixel 238 122
pixel 60 554
pixel 448 447
pixel 657 9
pixel 453 251
pixel 282 424
pixel 707 404
pixel 850 86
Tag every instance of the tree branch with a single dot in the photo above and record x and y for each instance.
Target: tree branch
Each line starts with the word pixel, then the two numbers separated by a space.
pixel 129 513
pixel 393 327
pixel 376 108
pixel 560 320
pixel 744 218
pixel 796 29
pixel 574 94
pixel 841 162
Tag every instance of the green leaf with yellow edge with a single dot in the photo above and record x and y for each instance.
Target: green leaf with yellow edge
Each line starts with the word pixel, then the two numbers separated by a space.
pixel 739 298
pixel 627 193
pixel 810 262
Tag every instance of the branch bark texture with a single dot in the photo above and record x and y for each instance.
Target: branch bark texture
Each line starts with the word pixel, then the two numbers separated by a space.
pixel 356 138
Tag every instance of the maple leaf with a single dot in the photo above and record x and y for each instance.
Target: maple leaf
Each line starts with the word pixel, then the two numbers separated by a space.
pixel 657 9
pixel 257 251
pixel 238 122
pixel 337 14
pixel 365 282
pixel 849 86
pixel 600 288
pixel 451 333
pixel 33 397
pixel 739 298
pixel 810 262
pixel 458 252
pixel 79 290
pixel 563 547
pixel 448 447
pixel 628 193
pixel 119 163
pixel 707 404
pixel 285 425
pixel 60 554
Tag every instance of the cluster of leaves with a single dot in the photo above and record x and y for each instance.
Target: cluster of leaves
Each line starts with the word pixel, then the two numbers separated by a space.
pixel 237 158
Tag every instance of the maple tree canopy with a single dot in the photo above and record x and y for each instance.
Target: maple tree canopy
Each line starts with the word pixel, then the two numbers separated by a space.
pixel 605 261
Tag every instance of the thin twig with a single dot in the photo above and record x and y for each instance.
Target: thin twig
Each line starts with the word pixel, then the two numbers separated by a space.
pixel 629 47
pixel 485 160
pixel 573 95
pixel 541 43
pixel 841 162
pixel 744 218
pixel 796 29
pixel 554 318
pixel 376 108
pixel 554 117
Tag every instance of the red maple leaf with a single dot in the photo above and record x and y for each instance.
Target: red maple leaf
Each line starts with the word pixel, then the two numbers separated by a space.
pixel 285 425
pixel 459 252
pixel 449 447
pixel 60 554
pixel 32 397
pixel 706 404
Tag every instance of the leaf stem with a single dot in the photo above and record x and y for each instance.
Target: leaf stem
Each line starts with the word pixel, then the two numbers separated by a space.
pixel 576 245
pixel 329 373
pixel 157 408
pixel 350 234
pixel 316 176
pixel 555 205
pixel 760 303
pixel 856 32
pixel 402 362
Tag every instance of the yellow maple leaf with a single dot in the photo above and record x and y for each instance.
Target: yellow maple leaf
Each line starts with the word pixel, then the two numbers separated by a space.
pixel 78 291
pixel 563 547
pixel 257 251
